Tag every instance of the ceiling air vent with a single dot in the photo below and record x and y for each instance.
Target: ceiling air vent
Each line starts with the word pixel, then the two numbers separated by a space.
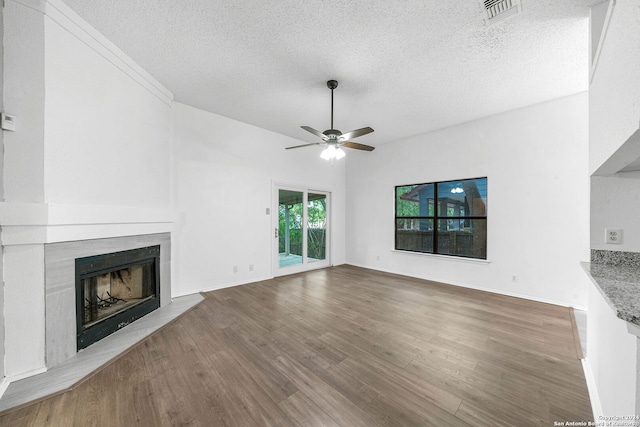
pixel 497 10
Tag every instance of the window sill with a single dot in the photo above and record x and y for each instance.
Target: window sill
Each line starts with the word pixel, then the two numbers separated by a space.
pixel 444 257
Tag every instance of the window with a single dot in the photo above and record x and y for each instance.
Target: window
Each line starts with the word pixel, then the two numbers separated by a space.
pixel 448 218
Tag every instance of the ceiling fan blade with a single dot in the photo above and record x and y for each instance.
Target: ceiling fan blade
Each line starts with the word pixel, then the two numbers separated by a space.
pixel 355 133
pixel 315 132
pixel 304 145
pixel 357 146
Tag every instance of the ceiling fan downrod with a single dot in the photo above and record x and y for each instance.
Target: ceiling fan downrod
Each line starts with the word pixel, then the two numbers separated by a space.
pixel 332 84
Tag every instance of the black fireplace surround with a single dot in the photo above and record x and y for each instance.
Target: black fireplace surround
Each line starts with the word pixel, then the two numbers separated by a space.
pixel 113 290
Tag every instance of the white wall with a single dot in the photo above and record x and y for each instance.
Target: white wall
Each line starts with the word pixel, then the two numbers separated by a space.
pixel 615 203
pixel 615 87
pixel 597 23
pixel 23 168
pixel 24 310
pixel 93 128
pixel 2 335
pixel 107 137
pixel 614 115
pixel 614 106
pixel 222 184
pixel 535 159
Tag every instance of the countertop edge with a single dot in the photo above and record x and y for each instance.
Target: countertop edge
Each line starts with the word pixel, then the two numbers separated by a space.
pixel 627 317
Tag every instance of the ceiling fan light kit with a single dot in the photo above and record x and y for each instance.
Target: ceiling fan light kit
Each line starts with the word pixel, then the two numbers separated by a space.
pixel 334 139
pixel 331 152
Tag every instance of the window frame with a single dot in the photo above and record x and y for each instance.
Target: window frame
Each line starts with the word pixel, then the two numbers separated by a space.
pixel 437 216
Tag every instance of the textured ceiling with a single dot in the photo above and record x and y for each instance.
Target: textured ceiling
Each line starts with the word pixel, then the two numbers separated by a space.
pixel 404 66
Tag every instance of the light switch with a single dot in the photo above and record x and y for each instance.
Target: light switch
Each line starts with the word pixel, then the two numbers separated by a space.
pixel 613 236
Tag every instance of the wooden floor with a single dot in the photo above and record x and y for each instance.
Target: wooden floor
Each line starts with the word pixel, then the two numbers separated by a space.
pixel 341 346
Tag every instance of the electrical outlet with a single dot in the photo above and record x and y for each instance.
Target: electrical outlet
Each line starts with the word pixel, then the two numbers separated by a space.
pixel 250 267
pixel 613 236
pixel 235 268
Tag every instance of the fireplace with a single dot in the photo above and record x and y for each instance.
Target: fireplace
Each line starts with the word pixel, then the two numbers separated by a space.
pixel 113 290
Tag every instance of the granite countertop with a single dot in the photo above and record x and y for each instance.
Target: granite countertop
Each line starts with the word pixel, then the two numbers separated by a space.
pixel 620 287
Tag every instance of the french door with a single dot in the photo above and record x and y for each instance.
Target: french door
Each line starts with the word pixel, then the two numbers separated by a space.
pixel 301 230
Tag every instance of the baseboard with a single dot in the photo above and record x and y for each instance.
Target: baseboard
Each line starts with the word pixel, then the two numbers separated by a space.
pixel 463 285
pixel 223 286
pixel 477 288
pixel 596 407
pixel 27 374
pixel 4 385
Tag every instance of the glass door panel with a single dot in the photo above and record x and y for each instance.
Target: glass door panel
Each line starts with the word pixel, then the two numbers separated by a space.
pixel 302 229
pixel 316 227
pixel 290 228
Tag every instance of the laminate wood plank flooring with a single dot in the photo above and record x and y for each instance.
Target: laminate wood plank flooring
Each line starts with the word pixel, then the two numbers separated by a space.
pixel 342 346
pixel 71 371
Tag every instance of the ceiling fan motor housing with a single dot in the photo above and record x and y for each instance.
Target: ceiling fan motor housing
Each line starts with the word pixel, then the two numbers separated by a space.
pixel 332 133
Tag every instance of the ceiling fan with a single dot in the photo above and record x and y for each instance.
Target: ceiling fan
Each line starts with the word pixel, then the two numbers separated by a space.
pixel 333 138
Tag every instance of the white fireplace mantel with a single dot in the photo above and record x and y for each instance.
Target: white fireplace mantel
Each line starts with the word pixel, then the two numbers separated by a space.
pixel 40 223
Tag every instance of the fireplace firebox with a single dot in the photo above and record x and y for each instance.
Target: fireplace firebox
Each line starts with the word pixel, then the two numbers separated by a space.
pixel 113 290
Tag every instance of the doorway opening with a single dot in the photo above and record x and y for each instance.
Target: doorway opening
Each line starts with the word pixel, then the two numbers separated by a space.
pixel 301 230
